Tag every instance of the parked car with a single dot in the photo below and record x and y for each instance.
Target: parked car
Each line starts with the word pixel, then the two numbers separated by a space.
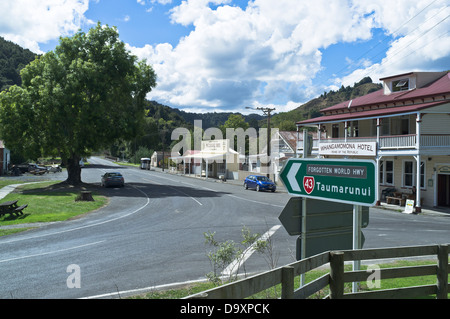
pixel 113 179
pixel 55 168
pixel 36 169
pixel 259 183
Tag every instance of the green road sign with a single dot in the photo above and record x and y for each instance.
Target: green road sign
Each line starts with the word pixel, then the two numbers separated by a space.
pixel 320 241
pixel 319 216
pixel 338 180
pixel 328 225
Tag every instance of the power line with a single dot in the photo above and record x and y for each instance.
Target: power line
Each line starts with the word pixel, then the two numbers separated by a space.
pixel 394 32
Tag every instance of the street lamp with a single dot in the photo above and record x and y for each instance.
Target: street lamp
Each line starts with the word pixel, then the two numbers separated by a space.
pixel 266 111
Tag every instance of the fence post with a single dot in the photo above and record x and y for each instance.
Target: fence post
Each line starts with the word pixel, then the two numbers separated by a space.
pixel 442 272
pixel 287 283
pixel 336 274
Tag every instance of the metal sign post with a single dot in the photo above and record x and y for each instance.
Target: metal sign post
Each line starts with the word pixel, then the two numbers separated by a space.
pixel 303 239
pixel 356 241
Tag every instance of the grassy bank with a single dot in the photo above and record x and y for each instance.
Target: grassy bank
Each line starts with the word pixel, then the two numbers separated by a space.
pixel 48 202
pixel 275 292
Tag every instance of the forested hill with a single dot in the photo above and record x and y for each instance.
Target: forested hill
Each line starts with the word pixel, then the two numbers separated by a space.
pixel 286 120
pixel 12 59
pixel 214 119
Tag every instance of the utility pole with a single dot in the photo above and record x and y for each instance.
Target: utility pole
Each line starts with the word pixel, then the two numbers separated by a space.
pixel 266 111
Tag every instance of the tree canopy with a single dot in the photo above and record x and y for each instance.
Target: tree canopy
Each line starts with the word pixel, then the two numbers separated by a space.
pixel 77 99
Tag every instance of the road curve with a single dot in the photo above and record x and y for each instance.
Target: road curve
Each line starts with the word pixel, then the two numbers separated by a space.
pixel 151 234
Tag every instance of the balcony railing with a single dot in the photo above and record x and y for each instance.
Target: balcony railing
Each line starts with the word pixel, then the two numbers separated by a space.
pixel 391 142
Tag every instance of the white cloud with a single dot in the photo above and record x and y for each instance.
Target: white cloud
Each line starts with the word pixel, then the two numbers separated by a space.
pixel 29 23
pixel 268 51
pixel 421 44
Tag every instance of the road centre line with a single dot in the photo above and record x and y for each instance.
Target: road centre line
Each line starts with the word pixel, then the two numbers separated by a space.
pixel 214 190
pixel 51 252
pixel 233 267
pixel 254 201
pixel 177 190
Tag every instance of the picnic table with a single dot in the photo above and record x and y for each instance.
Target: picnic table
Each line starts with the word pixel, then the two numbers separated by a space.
pixel 400 200
pixel 11 207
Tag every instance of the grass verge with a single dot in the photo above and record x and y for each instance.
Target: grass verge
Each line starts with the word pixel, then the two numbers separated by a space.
pixel 275 292
pixel 48 202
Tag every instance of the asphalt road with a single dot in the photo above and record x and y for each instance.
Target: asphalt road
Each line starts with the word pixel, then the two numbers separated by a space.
pixel 151 234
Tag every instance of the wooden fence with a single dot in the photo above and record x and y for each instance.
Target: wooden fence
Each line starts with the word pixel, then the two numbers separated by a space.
pixel 336 278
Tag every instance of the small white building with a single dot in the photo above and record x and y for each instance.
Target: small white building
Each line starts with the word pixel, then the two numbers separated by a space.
pixel 215 159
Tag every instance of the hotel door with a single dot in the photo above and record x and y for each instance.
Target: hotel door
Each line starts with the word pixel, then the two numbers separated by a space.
pixel 443 190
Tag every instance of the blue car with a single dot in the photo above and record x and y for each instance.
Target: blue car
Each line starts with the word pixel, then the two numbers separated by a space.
pixel 259 183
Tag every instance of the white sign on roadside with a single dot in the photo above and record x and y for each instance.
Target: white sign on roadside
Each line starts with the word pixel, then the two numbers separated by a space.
pixel 409 207
pixel 215 146
pixel 348 148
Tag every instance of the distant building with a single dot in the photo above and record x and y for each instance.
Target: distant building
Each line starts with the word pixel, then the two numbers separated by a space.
pixel 5 158
pixel 283 147
pixel 215 159
pixel 405 127
pixel 157 157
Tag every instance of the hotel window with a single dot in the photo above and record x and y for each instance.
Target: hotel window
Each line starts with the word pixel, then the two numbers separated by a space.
pixel 386 173
pixel 352 129
pixel 400 85
pixel 400 125
pixel 385 126
pixel 335 131
pixel 409 174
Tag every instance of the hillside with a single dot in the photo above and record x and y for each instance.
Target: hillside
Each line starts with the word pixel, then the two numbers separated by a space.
pixel 285 121
pixel 214 119
pixel 312 108
pixel 13 58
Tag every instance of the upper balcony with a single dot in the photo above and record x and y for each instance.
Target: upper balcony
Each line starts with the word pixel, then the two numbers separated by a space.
pixel 434 142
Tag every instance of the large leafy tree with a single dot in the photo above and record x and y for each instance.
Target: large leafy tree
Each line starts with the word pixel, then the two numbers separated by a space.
pixel 77 99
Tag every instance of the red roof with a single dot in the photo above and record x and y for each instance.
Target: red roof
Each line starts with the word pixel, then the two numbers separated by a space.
pixel 371 113
pixel 437 88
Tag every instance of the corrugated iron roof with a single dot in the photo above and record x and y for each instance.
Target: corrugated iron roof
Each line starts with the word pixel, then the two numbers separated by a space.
pixel 351 108
pixel 372 113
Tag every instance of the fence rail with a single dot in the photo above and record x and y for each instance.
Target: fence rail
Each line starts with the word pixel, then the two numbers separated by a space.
pixel 336 278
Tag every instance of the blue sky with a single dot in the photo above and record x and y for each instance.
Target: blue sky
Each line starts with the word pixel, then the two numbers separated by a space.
pixel 225 55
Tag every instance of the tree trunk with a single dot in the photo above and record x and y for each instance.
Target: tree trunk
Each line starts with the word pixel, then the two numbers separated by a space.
pixel 73 171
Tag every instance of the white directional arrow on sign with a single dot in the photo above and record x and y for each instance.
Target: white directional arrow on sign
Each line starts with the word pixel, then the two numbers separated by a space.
pixel 291 177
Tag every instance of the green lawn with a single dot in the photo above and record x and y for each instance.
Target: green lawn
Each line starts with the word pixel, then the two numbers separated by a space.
pixel 48 202
pixel 275 292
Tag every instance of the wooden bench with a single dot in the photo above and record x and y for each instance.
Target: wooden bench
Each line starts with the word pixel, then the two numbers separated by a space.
pixel 387 192
pixel 19 210
pixel 11 208
pixel 391 200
